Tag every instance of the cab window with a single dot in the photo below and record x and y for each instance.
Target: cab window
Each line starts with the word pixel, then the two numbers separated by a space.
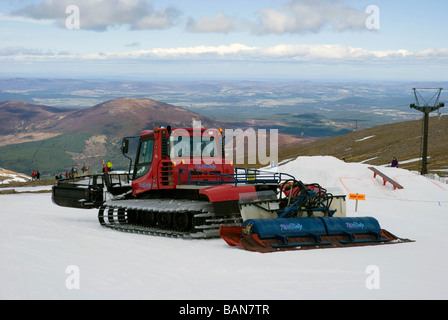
pixel 144 158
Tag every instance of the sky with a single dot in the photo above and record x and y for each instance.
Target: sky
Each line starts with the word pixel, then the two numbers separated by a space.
pixel 384 40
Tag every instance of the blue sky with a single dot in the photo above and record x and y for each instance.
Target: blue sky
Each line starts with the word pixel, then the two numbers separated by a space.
pixel 250 39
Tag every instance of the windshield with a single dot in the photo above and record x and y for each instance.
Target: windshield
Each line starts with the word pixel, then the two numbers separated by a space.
pixel 144 158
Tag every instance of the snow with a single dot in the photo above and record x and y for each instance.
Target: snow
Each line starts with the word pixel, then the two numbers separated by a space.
pixel 413 160
pixel 46 251
pixel 9 176
pixel 28 189
pixel 363 139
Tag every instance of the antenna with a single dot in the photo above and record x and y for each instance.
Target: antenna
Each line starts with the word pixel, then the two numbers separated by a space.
pixel 426 106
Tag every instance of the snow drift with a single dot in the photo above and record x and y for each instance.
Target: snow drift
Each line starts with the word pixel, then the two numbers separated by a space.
pixel 50 252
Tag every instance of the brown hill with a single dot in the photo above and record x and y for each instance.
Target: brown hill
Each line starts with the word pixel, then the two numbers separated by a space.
pixel 124 116
pixel 23 122
pixel 19 116
pixel 378 145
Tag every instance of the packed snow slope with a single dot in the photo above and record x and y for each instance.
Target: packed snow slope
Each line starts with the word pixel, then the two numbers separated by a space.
pixel 7 176
pixel 50 252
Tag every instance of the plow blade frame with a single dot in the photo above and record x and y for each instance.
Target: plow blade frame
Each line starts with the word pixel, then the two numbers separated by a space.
pixel 271 235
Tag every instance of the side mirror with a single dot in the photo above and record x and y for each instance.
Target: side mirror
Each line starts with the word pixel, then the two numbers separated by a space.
pixel 125 146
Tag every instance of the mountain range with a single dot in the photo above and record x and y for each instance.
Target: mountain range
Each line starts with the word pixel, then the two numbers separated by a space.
pixel 54 139
pixel 121 116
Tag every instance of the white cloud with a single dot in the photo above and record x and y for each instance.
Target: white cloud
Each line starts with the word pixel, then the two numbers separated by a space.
pixel 220 23
pixel 295 17
pixel 4 17
pixel 225 52
pixel 325 52
pixel 289 53
pixel 321 53
pixel 157 20
pixel 99 15
pixel 433 53
pixel 23 51
pixel 134 44
pixel 305 16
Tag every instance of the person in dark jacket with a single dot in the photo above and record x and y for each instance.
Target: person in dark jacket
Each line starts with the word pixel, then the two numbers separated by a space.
pixel 394 163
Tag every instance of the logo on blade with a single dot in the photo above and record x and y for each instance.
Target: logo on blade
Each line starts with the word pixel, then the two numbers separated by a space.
pixel 354 225
pixel 291 226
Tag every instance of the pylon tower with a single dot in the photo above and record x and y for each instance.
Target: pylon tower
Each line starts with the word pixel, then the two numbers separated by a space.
pixel 426 106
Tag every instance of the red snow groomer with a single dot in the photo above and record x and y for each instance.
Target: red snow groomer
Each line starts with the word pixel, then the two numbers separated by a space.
pixel 182 186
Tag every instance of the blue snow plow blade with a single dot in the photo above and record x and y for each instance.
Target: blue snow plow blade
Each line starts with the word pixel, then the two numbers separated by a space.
pixel 315 231
pixel 283 229
pixel 351 227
